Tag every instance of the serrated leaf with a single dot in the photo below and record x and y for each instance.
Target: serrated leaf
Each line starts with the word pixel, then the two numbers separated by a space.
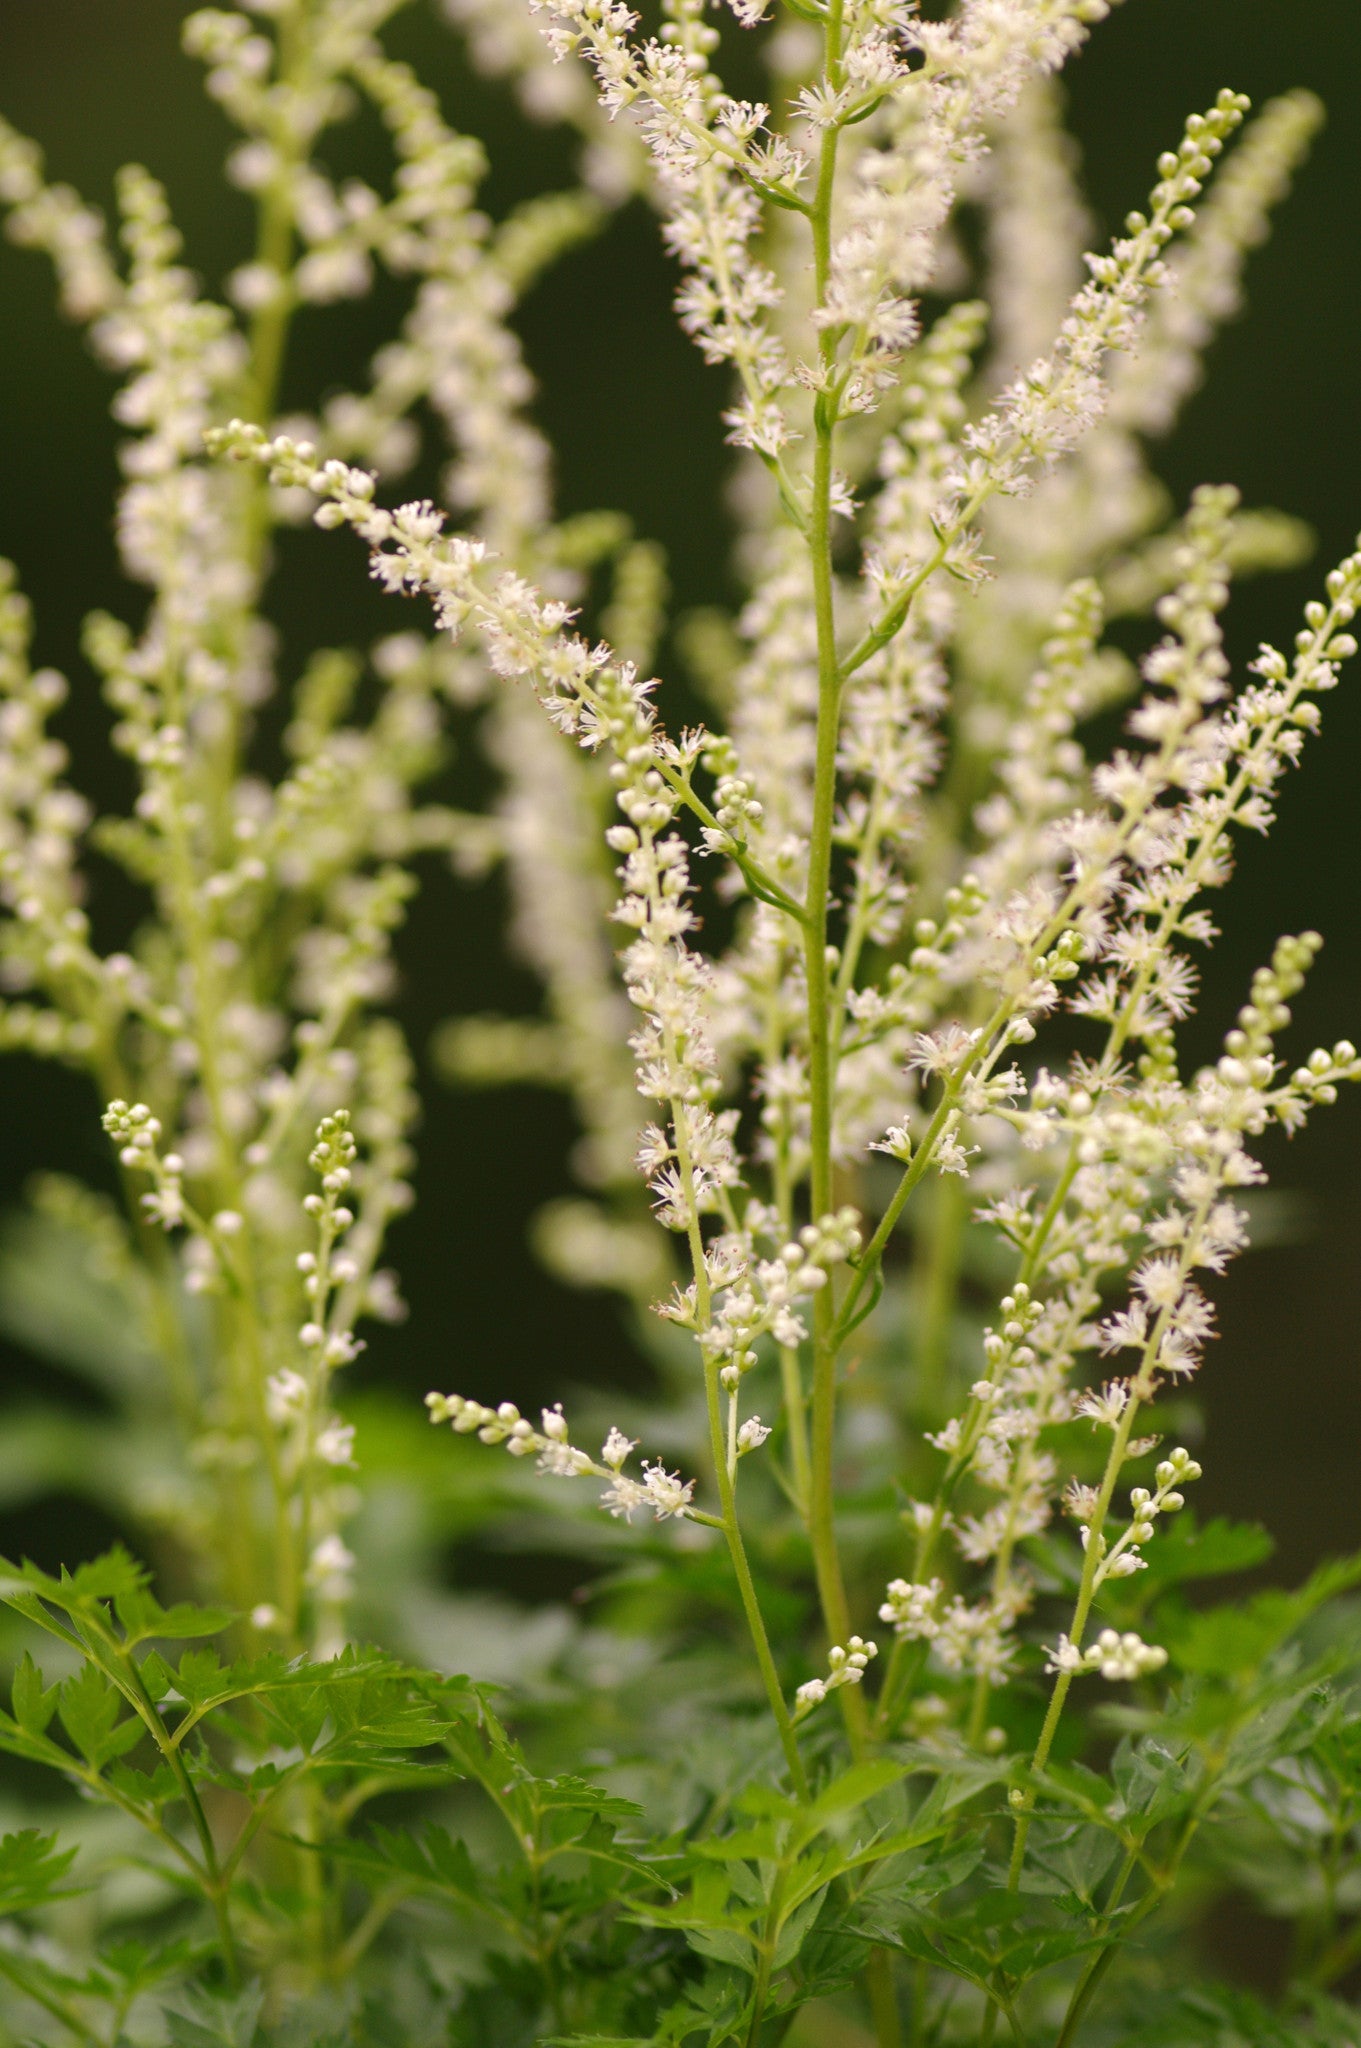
pixel 887 1890
pixel 1153 1779
pixel 149 1789
pixel 854 1788
pixel 796 1929
pixel 199 1675
pixel 80 1594
pixel 1225 1641
pixel 143 1618
pixel 723 1945
pixel 90 1708
pixel 33 1706
pixel 116 1575
pixel 29 1605
pixel 157 1676
pixel 1069 1862
pixel 743 1845
pixel 39 1749
pixel 901 1842
pixel 710 1905
pixel 435 1860
pixel 578 1795
pixel 1185 1552
pixel 137 1964
pixel 33 1871
pixel 205 2021
pixel 599 2041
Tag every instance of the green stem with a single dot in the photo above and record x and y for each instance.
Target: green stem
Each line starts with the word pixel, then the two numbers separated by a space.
pixel 791 1370
pixel 746 1585
pixel 13 1967
pixel 883 1999
pixel 1091 1564
pixel 766 1958
pixel 791 1386
pixel 945 1248
pixel 367 1928
pixel 723 1471
pixel 821 1496
pixel 274 240
pixel 214 1882
pixel 1040 1237
pixel 1085 1988
pixel 823 1031
pixel 868 1263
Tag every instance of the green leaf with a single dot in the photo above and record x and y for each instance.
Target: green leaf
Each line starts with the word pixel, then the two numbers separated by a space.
pixel 1226 1641
pixel 1184 1552
pixel 744 1845
pixel 33 1707
pixel 996 1931
pixel 894 1884
pixel 90 1707
pixel 71 1290
pixel 1207 2015
pixel 205 2021
pixel 150 1789
pixel 157 1676
pixel 40 1749
pixel 117 1575
pixel 80 1595
pixel 796 1929
pixel 883 1847
pixel 712 1918
pixel 200 1676
pixel 1069 1862
pixel 435 1861
pixel 723 1945
pixel 1154 1780
pixel 33 1871
pixel 855 1787
pixel 578 1795
pixel 143 1618
pixel 139 1964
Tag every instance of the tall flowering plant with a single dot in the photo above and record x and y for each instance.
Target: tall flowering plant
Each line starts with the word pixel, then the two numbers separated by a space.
pixel 958 848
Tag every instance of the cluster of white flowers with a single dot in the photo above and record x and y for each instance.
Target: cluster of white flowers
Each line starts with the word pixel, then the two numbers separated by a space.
pixel 965 1638
pixel 919 860
pixel 1121 1559
pixel 1086 879
pixel 1118 1657
pixel 136 1131
pixel 845 1666
pixel 1204 274
pixel 244 1007
pixel 664 1493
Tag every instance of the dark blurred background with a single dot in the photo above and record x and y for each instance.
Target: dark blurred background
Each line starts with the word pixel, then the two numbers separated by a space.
pixel 101 82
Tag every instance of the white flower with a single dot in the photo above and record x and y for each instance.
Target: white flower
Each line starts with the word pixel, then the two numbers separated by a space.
pixel 751 1435
pixel 286 1396
pixel 616 1449
pixel 844 1667
pixel 335 1444
pixel 623 1495
pixel 329 1568
pixel 664 1492
pixel 1107 1406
